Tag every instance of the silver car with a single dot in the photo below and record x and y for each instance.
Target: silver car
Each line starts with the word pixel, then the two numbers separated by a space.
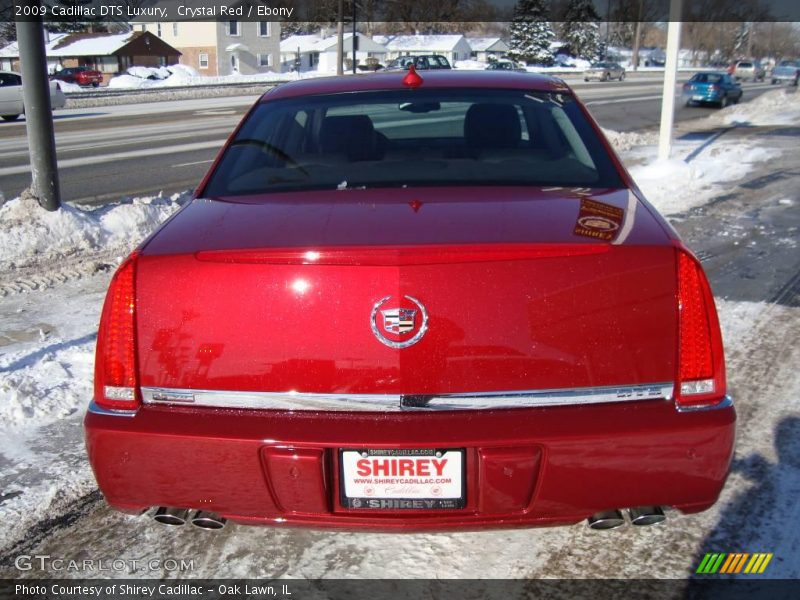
pixel 787 70
pixel 748 69
pixel 604 71
pixel 11 106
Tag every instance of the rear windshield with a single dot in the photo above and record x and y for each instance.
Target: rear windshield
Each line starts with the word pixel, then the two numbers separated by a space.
pixel 707 78
pixel 745 65
pixel 413 138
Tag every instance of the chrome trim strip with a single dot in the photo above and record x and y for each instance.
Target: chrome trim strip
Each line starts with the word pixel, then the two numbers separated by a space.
pixel 100 410
pixel 727 402
pixel 398 402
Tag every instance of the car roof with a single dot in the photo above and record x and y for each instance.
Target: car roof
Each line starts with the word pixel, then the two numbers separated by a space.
pixel 431 79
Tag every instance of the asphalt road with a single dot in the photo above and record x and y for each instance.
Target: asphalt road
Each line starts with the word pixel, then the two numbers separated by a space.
pixel 107 153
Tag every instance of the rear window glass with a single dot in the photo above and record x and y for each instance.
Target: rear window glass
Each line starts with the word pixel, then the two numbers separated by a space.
pixel 413 138
pixel 707 78
pixel 745 65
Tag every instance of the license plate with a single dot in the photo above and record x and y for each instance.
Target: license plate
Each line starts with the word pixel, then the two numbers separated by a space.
pixel 392 479
pixel 697 97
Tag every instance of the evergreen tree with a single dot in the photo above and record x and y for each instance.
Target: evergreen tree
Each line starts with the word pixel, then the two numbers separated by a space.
pixel 531 34
pixel 581 30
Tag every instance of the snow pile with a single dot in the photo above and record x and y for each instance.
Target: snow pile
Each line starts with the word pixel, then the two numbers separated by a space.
pixel 30 235
pixel 182 75
pixel 149 72
pixel 779 107
pixel 470 65
pixel 674 185
pixel 623 141
pixel 68 87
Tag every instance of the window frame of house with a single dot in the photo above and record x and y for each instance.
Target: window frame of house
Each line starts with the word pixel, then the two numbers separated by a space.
pixel 175 29
pixel 238 25
pixel 261 56
pixel 268 27
pixel 200 58
pixel 158 29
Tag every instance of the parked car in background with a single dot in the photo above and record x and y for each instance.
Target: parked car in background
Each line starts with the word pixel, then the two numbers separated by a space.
pixel 505 65
pixel 11 104
pixel 604 71
pixel 83 76
pixel 787 70
pixel 748 70
pixel 423 62
pixel 712 87
pixel 423 300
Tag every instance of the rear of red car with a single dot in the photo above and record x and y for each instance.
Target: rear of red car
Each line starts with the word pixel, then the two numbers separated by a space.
pixel 338 333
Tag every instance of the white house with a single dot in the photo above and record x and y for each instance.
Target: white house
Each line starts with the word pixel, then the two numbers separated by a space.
pixel 453 47
pixel 312 52
pixel 487 48
pixel 221 47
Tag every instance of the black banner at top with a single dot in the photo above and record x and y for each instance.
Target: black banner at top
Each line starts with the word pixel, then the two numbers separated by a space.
pixel 417 12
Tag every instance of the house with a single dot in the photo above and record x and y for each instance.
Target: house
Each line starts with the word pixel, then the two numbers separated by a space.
pixel 487 48
pixel 452 47
pixel 222 47
pixel 109 53
pixel 313 52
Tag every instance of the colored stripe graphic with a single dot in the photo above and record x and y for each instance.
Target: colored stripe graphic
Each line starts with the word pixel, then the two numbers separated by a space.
pixel 734 562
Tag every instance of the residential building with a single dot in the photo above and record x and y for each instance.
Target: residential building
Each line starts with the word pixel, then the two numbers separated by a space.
pixel 453 47
pixel 316 53
pixel 224 47
pixel 105 52
pixel 487 48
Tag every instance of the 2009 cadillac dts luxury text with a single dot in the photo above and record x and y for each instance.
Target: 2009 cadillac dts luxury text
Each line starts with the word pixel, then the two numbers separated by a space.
pixel 407 303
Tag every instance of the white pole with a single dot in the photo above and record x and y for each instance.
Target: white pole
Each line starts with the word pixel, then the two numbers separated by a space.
pixel 670 79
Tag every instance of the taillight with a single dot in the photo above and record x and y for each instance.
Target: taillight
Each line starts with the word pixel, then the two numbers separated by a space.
pixel 115 382
pixel 701 362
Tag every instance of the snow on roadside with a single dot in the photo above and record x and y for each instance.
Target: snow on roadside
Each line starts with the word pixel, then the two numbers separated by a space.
pixel 698 167
pixel 28 233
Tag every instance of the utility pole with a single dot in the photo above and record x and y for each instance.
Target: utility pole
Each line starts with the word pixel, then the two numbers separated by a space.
pixel 637 34
pixel 38 113
pixel 340 40
pixel 670 79
pixel 355 38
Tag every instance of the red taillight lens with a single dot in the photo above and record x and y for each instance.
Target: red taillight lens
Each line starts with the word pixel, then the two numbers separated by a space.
pixel 115 382
pixel 701 364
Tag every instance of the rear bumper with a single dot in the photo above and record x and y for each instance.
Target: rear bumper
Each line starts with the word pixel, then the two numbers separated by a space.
pixel 524 467
pixel 703 96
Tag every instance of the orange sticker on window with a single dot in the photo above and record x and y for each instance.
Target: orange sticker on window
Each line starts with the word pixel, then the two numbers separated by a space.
pixel 598 220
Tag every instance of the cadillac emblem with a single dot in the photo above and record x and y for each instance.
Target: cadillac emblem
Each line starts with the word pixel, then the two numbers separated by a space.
pixel 400 324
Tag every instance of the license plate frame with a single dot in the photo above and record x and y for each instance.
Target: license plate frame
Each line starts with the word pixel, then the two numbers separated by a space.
pixel 391 491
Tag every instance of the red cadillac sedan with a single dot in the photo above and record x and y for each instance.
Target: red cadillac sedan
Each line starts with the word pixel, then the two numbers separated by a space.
pixel 412 302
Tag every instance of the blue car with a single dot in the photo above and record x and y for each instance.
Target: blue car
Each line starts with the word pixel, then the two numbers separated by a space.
pixel 716 88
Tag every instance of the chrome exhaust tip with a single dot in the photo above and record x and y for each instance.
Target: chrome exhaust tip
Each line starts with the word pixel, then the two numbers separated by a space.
pixel 171 516
pixel 608 519
pixel 646 515
pixel 207 520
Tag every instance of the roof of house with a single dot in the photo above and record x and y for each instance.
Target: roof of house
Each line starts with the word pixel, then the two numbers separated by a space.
pixel 483 44
pixel 430 43
pixel 79 44
pixel 314 43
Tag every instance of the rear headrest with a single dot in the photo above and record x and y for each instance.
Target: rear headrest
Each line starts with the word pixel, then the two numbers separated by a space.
pixel 353 135
pixel 492 126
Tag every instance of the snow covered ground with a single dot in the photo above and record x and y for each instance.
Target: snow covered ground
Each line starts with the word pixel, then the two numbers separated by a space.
pixel 54 269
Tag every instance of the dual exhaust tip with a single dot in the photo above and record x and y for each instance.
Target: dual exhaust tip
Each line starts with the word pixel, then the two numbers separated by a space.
pixel 640 516
pixel 180 516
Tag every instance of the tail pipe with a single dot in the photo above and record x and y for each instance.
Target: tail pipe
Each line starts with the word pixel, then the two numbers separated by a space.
pixel 207 520
pixel 646 515
pixel 171 516
pixel 608 519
